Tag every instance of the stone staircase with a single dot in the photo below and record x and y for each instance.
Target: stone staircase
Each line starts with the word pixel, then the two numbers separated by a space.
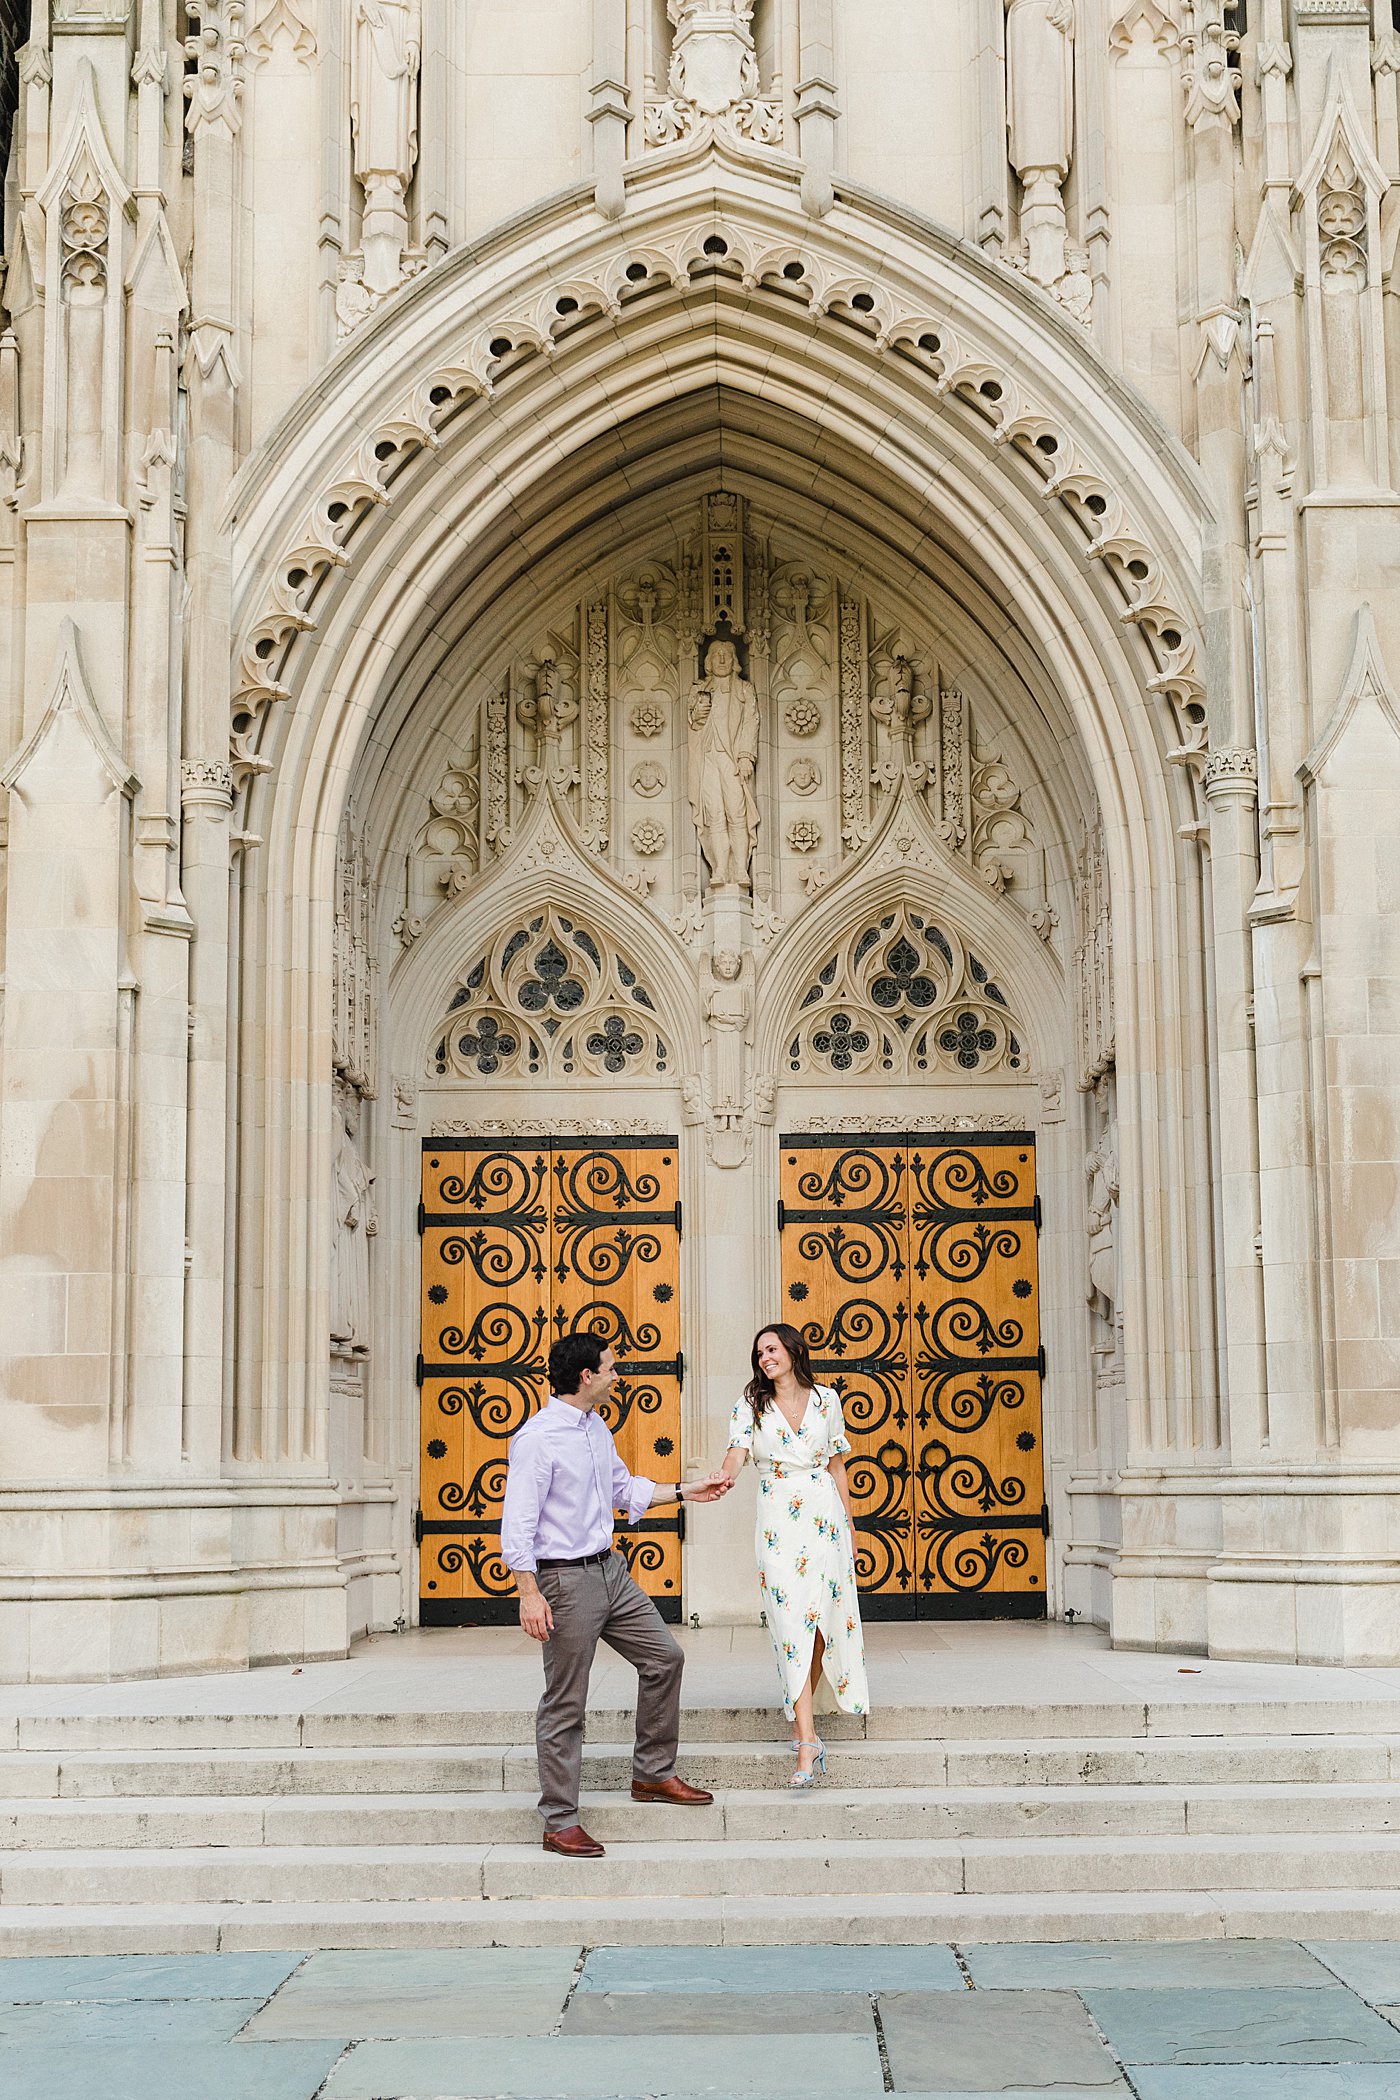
pixel 168 1833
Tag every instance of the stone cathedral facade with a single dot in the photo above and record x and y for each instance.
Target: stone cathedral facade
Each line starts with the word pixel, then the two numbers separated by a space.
pixel 665 663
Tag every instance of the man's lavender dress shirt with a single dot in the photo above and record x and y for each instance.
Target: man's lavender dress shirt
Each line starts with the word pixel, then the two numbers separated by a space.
pixel 565 1481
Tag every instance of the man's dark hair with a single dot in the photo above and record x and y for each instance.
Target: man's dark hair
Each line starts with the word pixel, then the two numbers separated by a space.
pixel 570 1357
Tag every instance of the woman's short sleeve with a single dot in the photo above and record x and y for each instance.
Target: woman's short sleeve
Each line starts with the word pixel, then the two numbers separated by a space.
pixel 837 1444
pixel 741 1425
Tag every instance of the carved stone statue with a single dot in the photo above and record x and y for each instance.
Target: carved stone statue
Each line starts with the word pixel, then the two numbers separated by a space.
pixel 1040 124
pixel 723 757
pixel 385 54
pixel 729 1014
pixel 1101 1175
pixel 356 1223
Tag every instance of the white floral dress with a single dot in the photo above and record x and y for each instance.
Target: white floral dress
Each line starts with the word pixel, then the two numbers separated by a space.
pixel 806 1570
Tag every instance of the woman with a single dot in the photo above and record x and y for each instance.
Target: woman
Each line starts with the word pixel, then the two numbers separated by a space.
pixel 792 1429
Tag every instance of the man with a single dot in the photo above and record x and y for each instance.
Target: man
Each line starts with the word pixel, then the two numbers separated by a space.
pixel 564 1482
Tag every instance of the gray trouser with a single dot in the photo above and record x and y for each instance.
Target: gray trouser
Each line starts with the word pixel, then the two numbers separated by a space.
pixel 601 1602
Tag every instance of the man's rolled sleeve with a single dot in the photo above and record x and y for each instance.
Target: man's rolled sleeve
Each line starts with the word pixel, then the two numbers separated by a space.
pixel 631 1491
pixel 526 1482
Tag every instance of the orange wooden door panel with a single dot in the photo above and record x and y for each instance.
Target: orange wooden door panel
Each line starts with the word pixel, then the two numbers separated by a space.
pixel 978 1464
pixel 910 1262
pixel 616 1271
pixel 845 1261
pixel 485 1233
pixel 522 1242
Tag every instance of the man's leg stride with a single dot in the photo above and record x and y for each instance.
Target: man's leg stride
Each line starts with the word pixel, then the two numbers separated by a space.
pixel 579 1603
pixel 635 1629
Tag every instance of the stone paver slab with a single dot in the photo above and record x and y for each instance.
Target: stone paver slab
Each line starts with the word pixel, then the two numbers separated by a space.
pixel 587 2067
pixel 229 2071
pixel 1371 1967
pixel 700 2012
pixel 404 1993
pixel 994 2043
pixel 1244 2027
pixel 405 2015
pixel 1267 2082
pixel 771 1969
pixel 390 1970
pixel 1156 1965
pixel 27 1978
pixel 124 2022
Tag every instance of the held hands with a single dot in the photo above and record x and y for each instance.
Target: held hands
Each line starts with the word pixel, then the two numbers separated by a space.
pixel 711 1489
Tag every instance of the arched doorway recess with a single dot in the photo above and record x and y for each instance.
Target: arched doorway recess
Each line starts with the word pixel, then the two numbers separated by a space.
pixel 972 651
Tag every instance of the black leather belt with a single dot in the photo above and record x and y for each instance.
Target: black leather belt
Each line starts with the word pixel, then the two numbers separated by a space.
pixel 587 1560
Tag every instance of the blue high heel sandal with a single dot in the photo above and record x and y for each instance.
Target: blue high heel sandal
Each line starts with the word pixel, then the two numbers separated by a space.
pixel 800 1781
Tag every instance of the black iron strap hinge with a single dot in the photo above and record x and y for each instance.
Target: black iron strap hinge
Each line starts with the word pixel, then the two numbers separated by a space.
pixel 418 1525
pixel 680 1522
pixel 1040 1359
pixel 422 1218
pixel 1045 1518
pixel 678 1221
pixel 1037 1213
pixel 782 1213
pixel 418 1370
pixel 680 1367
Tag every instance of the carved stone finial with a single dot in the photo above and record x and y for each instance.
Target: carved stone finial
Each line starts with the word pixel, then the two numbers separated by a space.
pixel 215 88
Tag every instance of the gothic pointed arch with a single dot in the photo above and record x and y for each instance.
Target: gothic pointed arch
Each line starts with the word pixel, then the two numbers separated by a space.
pixel 526 398
pixel 549 972
pixel 910 968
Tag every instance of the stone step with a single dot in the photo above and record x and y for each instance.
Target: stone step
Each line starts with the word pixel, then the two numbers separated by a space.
pixel 159 1821
pixel 1325 1914
pixel 448 1727
pixel 417 1769
pixel 701 1868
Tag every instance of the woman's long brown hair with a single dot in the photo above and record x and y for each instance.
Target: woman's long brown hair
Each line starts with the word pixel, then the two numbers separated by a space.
pixel 759 1390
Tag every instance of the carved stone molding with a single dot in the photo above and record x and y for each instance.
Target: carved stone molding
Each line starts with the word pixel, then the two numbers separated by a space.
pixel 901 1120
pixel 957 369
pixel 552 1126
pixel 1231 771
pixel 207 781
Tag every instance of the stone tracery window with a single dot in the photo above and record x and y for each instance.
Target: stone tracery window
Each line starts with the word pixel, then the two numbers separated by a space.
pixel 550 999
pixel 902 996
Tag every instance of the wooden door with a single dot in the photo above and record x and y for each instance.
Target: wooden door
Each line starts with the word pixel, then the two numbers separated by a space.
pixel 910 1263
pixel 524 1241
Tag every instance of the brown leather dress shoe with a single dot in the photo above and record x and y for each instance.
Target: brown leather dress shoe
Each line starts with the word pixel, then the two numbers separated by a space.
pixel 573 1843
pixel 671 1789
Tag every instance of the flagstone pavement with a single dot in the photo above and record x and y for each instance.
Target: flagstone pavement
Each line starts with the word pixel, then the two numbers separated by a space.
pixel 1207 2020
